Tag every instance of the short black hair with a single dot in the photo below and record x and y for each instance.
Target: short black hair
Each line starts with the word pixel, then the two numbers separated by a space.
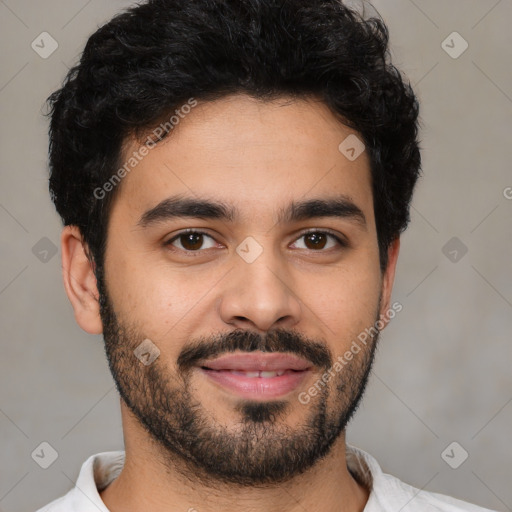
pixel 150 59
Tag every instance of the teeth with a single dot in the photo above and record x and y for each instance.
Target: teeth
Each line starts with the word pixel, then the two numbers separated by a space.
pixel 266 375
pixel 270 374
pixel 250 374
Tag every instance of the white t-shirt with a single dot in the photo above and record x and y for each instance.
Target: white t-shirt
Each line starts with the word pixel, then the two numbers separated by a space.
pixel 388 494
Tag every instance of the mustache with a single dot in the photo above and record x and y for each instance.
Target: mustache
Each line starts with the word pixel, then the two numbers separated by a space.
pixel 278 340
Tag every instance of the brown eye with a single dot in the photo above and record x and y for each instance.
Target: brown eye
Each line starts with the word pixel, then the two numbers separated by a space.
pixel 191 241
pixel 320 240
pixel 315 240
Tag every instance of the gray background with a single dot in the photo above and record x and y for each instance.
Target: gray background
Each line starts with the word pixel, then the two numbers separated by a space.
pixel 443 369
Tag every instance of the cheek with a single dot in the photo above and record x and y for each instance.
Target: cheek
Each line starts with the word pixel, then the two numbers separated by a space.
pixel 347 299
pixel 161 300
pixel 140 292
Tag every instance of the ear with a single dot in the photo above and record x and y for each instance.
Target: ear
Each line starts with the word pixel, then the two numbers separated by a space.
pixel 388 279
pixel 80 281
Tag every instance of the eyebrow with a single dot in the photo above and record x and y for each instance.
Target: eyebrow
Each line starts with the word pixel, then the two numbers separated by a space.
pixel 183 207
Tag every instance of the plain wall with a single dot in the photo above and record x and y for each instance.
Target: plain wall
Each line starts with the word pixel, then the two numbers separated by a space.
pixel 443 368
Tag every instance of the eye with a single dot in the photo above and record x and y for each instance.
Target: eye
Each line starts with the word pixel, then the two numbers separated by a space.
pixel 318 240
pixel 190 240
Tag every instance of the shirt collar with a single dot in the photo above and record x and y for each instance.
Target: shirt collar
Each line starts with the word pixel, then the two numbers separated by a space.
pixel 101 469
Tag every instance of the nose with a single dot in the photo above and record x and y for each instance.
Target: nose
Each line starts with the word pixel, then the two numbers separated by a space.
pixel 259 296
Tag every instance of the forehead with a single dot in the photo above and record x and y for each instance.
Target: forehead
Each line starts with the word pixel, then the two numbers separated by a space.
pixel 250 152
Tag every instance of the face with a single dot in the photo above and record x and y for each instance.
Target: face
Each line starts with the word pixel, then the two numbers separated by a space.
pixel 279 273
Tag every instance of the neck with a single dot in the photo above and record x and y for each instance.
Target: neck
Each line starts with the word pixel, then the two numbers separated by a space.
pixel 145 483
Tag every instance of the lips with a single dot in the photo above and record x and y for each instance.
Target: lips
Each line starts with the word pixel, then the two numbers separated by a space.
pixel 275 362
pixel 256 376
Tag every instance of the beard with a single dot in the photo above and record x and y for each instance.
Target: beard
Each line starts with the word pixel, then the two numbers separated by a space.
pixel 261 449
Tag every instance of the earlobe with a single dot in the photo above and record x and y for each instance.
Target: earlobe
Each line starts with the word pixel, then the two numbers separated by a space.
pixel 389 278
pixel 80 281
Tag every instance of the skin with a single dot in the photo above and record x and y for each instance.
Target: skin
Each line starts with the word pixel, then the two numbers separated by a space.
pixel 256 156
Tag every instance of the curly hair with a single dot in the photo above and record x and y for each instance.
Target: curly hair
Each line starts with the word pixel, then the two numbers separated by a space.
pixel 151 58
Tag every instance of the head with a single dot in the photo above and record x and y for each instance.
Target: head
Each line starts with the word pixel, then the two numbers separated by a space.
pixel 234 177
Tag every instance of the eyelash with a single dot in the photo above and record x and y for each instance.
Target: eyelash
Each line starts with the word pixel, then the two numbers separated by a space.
pixel 169 242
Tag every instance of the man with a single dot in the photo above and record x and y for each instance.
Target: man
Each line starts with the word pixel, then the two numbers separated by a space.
pixel 234 176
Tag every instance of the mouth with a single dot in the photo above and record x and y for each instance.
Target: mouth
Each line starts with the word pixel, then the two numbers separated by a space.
pixel 257 375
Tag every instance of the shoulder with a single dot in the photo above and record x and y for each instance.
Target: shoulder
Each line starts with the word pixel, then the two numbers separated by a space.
pixel 95 474
pixel 411 499
pixel 389 494
pixel 61 504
